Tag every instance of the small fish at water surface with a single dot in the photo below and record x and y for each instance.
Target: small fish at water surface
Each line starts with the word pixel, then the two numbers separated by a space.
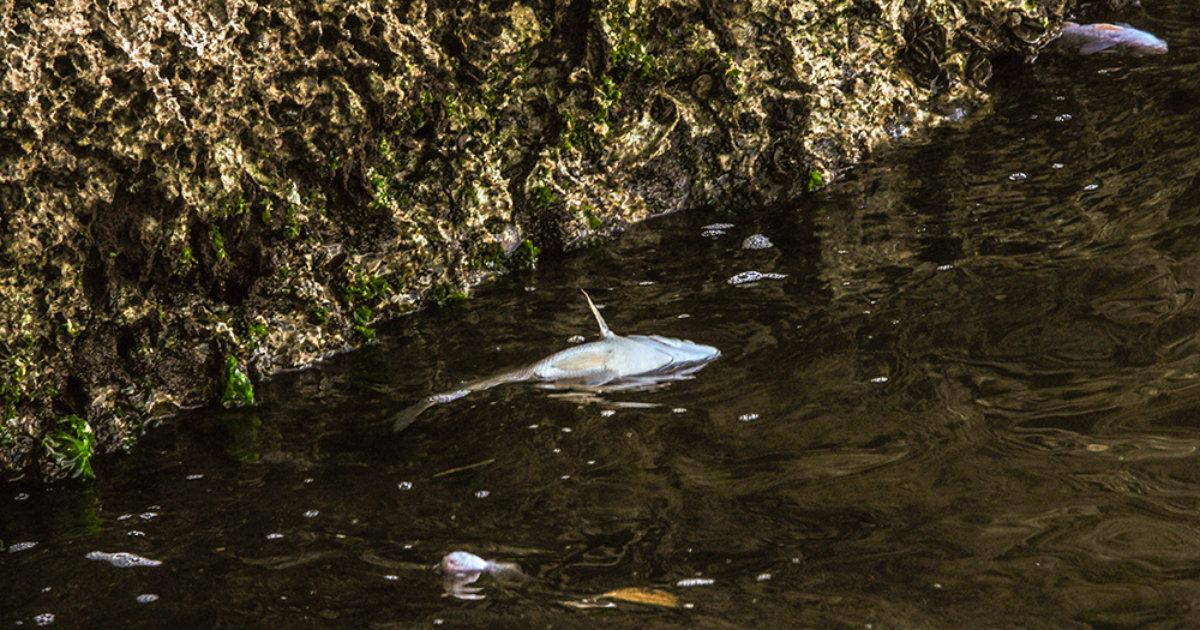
pixel 1094 38
pixel 460 569
pixel 609 364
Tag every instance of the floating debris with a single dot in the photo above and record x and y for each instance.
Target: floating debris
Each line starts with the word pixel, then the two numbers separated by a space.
pixel 695 582
pixel 1018 177
pixel 646 596
pixel 123 559
pixel 44 619
pixel 714 229
pixel 747 277
pixel 485 462
pixel 22 546
pixel 146 598
pixel 757 241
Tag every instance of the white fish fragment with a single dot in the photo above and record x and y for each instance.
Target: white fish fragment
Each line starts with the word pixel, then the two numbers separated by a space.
pixel 746 277
pixel 123 559
pixel 757 241
pixel 460 569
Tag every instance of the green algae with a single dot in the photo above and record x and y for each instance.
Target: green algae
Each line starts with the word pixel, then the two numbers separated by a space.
pixel 70 447
pixel 238 391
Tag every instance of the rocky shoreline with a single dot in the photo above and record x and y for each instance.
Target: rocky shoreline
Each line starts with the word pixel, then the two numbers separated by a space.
pixel 199 194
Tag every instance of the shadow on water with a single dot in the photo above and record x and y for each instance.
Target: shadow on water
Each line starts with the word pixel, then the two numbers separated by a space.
pixel 971 398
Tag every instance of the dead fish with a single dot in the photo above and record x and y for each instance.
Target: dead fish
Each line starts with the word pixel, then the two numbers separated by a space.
pixel 460 569
pixel 1094 38
pixel 611 363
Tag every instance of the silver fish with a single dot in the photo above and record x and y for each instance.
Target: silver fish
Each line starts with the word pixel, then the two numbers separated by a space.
pixel 461 569
pixel 1094 38
pixel 611 363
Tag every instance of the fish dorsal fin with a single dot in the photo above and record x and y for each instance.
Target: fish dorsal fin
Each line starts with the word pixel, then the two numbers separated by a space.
pixel 604 331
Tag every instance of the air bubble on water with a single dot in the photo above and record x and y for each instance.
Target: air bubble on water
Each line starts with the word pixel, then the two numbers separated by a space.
pixel 145 516
pixel 405 485
pixel 1057 165
pixel 124 517
pixel 146 598
pixel 879 379
pixel 682 316
pixel 1091 187
pixel 608 413
pixel 274 536
pixel 21 496
pixel 762 577
pixel 646 283
pixel 576 339
pixel 482 494
pixel 391 578
pixel 136 533
pixel 945 267
pixel 1018 177
pixel 567 429
pixel 43 619
pixel 1062 118
pixel 747 417
pixel 695 582
pixel 308 480
pixel 311 513
pixel 22 546
pixel 757 241
pixel 679 410
pixel 195 477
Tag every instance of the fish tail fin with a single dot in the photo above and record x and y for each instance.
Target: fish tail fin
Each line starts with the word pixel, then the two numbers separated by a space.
pixel 409 415
pixel 604 331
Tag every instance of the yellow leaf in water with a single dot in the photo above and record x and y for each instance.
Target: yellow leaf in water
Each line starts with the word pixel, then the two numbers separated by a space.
pixel 647 596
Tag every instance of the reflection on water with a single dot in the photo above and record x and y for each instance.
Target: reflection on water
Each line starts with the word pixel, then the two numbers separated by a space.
pixel 953 395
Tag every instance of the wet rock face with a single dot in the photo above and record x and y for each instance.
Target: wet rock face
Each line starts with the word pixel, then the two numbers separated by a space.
pixel 185 182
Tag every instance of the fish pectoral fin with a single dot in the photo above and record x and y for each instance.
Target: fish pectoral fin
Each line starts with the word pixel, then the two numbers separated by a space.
pixel 1091 48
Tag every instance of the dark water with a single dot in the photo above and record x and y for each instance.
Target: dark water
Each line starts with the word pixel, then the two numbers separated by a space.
pixel 973 400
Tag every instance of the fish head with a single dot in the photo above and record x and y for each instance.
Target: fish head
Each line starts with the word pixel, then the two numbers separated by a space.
pixel 462 562
pixel 684 351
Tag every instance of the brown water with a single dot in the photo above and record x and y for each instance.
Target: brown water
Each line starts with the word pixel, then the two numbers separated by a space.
pixel 974 400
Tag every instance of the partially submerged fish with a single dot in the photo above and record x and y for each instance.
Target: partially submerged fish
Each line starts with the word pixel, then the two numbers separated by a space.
pixel 1094 38
pixel 460 569
pixel 611 363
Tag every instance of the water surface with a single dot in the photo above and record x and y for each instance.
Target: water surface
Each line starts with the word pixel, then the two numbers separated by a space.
pixel 969 395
